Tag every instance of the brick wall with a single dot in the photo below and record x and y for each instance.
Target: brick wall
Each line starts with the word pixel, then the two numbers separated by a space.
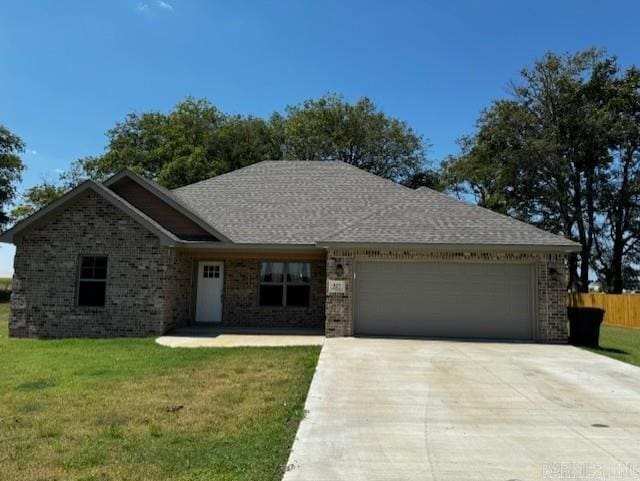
pixel 551 275
pixel 178 280
pixel 241 298
pixel 241 307
pixel 551 290
pixel 339 307
pixel 44 300
pixel 150 288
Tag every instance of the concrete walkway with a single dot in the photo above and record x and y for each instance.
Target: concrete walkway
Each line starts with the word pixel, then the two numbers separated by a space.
pixel 202 336
pixel 383 410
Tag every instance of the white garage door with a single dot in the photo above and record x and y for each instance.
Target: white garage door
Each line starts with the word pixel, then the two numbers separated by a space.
pixel 491 301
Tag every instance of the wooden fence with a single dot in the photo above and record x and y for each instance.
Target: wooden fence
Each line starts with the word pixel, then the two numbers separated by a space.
pixel 621 309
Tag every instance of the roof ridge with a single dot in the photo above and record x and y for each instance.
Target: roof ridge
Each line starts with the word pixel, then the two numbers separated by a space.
pixel 300 161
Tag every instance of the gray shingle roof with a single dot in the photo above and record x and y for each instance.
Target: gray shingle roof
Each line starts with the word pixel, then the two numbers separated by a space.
pixel 303 202
pixel 430 217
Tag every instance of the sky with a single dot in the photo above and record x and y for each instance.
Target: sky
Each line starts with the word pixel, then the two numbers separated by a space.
pixel 69 70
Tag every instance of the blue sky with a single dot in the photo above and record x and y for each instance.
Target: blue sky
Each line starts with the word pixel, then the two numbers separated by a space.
pixel 70 69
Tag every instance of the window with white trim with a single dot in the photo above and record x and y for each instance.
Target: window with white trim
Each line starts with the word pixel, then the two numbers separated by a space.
pixel 211 271
pixel 285 284
pixel 92 281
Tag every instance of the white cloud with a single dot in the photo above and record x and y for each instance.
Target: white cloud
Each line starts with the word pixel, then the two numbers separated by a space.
pixel 148 8
pixel 31 152
pixel 164 5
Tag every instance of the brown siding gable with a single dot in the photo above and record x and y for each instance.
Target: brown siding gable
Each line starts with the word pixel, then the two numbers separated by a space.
pixel 159 210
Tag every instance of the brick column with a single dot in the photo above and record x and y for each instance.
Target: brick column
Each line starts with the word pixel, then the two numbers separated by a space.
pixel 339 307
pixel 552 300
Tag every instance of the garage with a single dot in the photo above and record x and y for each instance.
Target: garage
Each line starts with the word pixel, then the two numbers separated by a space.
pixel 451 300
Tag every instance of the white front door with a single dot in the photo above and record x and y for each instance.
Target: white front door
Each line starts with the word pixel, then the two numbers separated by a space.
pixel 209 294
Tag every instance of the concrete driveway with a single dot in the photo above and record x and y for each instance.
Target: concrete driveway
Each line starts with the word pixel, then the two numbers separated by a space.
pixel 382 409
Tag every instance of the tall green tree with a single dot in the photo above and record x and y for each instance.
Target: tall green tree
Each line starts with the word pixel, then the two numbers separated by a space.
pixel 546 156
pixel 617 243
pixel 193 142
pixel 11 168
pixel 329 128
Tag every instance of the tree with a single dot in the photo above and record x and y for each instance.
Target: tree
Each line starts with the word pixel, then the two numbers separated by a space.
pixel 38 196
pixel 193 142
pixel 545 156
pixel 11 168
pixel 196 141
pixel 617 245
pixel 360 134
pixel 496 159
pixel 423 177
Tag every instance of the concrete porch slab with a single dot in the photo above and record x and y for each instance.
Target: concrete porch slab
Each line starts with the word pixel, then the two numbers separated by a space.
pixel 205 336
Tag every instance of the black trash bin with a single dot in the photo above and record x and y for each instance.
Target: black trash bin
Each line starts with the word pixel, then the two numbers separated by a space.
pixel 584 325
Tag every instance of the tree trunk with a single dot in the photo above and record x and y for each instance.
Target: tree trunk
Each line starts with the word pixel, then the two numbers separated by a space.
pixel 617 275
pixel 620 224
pixel 573 272
pixel 585 258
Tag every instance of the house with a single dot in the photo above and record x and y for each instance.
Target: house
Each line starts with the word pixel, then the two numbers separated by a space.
pixel 295 244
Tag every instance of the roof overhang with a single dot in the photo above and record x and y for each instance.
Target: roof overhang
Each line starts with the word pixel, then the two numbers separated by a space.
pixel 166 197
pixel 219 246
pixel 166 237
pixel 560 248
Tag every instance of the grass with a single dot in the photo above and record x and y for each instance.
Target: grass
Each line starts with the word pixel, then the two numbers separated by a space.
pixel 128 409
pixel 5 283
pixel 620 343
pixel 5 289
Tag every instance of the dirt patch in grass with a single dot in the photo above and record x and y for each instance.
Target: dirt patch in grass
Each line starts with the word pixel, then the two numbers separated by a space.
pixel 128 409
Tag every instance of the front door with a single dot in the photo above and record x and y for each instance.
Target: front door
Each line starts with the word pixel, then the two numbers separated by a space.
pixel 209 294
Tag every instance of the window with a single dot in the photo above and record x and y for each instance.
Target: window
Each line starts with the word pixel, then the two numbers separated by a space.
pixel 298 288
pixel 285 284
pixel 92 283
pixel 272 284
pixel 211 272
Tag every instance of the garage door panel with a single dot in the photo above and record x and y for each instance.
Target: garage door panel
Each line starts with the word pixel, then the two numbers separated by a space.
pixel 443 300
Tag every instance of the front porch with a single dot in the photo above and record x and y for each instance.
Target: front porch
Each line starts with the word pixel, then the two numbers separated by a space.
pixel 275 292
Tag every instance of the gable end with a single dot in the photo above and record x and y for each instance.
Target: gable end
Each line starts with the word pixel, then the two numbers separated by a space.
pixel 164 214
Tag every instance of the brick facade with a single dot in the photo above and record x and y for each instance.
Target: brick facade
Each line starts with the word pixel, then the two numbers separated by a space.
pixel 241 298
pixel 177 290
pixel 551 293
pixel 241 306
pixel 141 274
pixel 151 288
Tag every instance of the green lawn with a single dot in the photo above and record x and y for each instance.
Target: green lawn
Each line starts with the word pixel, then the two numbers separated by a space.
pixel 5 289
pixel 620 343
pixel 125 409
